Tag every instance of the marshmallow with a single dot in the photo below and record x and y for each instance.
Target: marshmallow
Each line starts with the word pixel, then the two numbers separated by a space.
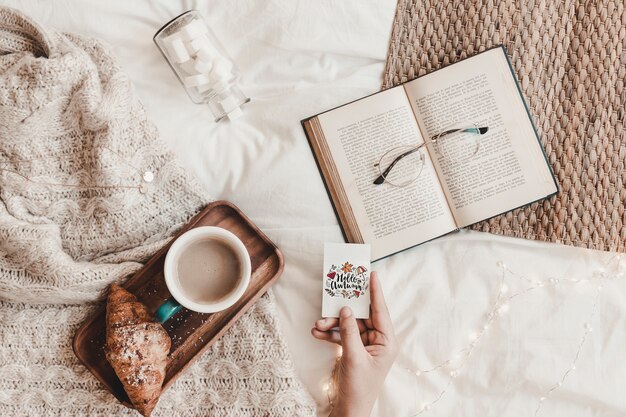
pixel 189 67
pixel 222 69
pixel 190 49
pixel 196 80
pixel 176 49
pixel 200 43
pixel 235 114
pixel 220 85
pixel 207 52
pixel 201 66
pixel 203 88
pixel 193 30
pixel 229 104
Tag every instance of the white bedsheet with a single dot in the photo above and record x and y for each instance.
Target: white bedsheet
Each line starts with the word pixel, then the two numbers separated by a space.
pixel 302 57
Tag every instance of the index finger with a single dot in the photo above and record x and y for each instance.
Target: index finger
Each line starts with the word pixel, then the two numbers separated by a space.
pixel 380 314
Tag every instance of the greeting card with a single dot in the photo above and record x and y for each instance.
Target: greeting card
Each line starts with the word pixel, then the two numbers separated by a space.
pixel 346 280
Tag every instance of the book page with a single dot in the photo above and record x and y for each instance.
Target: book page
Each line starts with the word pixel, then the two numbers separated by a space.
pixel 509 169
pixel 390 218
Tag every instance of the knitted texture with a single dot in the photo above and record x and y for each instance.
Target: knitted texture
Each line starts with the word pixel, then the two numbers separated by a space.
pixel 76 214
pixel 69 116
pixel 246 373
pixel 570 59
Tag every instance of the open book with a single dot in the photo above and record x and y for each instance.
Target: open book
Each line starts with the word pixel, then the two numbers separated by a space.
pixel 509 170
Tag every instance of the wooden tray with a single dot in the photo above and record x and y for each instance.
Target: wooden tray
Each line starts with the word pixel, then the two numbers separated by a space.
pixel 192 333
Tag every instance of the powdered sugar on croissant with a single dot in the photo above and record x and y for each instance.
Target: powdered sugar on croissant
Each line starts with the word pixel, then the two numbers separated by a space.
pixel 137 349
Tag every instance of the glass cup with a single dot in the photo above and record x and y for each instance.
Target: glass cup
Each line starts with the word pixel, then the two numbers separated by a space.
pixel 201 64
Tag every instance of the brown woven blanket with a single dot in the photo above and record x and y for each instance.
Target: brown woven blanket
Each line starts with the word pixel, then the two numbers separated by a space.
pixel 570 59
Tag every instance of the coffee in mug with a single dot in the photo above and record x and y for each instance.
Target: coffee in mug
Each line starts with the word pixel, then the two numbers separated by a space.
pixel 207 269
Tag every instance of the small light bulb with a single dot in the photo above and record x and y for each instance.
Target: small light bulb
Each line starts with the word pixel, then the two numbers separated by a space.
pixel 418 373
pixel 473 336
pixel 573 367
pixel 485 326
pixel 503 308
pixel 542 399
pixel 454 374
pixel 588 327
pixel 500 264
pixel 504 289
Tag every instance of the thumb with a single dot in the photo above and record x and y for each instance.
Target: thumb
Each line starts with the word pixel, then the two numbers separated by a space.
pixel 349 330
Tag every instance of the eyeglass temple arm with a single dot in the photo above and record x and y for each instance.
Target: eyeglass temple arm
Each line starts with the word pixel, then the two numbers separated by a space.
pixel 479 130
pixel 381 178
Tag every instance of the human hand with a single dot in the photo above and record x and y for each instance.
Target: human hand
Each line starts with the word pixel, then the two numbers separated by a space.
pixel 369 349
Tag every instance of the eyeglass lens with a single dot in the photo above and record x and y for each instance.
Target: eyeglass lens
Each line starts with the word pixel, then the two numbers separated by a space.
pixel 407 161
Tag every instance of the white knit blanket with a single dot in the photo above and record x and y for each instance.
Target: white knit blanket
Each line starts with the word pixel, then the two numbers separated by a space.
pixel 76 214
pixel 246 373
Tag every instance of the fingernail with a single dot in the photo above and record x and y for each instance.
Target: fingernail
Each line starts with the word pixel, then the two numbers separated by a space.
pixel 345 312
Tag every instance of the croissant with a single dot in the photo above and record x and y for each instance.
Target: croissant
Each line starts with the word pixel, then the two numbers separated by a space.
pixel 137 348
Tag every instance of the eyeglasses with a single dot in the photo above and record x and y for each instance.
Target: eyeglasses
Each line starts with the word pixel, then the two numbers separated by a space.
pixel 402 165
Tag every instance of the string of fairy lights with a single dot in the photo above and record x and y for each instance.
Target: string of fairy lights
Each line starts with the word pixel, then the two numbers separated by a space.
pixel 500 306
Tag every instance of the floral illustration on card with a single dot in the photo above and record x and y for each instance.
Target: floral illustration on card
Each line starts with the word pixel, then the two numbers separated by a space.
pixel 346 281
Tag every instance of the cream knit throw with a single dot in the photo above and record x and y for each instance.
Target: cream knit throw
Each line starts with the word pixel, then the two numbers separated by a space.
pixel 69 116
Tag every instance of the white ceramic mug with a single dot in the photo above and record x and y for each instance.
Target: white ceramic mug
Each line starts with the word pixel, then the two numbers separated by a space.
pixel 223 236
